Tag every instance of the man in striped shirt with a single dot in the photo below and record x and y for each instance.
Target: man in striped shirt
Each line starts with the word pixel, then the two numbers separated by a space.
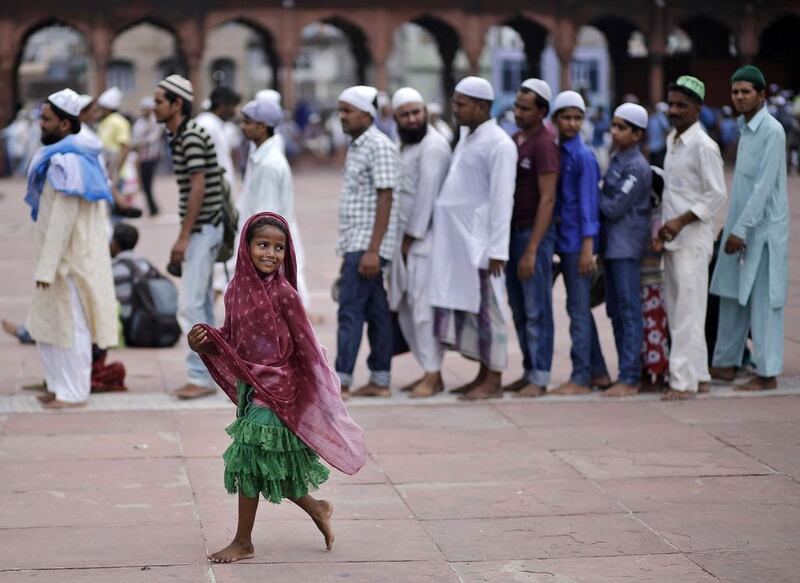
pixel 199 176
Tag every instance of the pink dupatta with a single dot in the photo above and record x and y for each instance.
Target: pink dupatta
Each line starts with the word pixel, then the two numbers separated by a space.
pixel 268 342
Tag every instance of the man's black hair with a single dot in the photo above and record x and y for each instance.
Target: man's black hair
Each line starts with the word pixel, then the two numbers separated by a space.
pixel 74 122
pixel 540 101
pixel 223 96
pixel 126 236
pixel 186 106
pixel 687 92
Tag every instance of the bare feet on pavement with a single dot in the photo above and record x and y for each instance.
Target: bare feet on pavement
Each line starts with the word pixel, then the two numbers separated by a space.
pixel 601 382
pixel 428 386
pixel 370 390
pixel 704 387
pixel 571 389
pixel 463 389
pixel 758 384
pixel 46 397
pixel 322 518
pixel 517 385
pixel 236 551
pixel 192 391
pixel 410 386
pixel 621 390
pixel 56 404
pixel 530 391
pixel 723 373
pixel 673 395
pixel 486 390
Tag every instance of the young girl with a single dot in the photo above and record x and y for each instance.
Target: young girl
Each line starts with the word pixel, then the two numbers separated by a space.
pixel 289 408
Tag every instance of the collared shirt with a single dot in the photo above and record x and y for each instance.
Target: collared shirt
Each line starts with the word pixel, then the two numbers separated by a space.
pixel 694 182
pixel 268 184
pixel 472 217
pixel 193 151
pixel 625 206
pixel 758 213
pixel 577 209
pixel 371 165
pixel 147 134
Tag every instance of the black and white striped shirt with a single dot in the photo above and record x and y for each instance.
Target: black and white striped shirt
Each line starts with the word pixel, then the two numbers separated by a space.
pixel 193 151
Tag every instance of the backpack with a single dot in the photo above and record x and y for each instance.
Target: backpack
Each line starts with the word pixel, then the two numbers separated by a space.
pixel 230 225
pixel 154 305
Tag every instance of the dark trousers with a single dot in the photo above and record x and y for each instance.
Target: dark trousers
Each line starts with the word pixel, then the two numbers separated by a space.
pixel 147 169
pixel 624 307
pixel 363 300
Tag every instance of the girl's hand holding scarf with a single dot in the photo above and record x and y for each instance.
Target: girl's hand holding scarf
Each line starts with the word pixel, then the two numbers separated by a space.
pixel 198 341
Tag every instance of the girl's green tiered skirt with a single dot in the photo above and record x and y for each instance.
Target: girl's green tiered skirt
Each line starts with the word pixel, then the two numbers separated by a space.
pixel 266 456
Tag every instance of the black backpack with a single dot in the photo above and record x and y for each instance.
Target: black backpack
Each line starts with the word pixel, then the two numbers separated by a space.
pixel 154 305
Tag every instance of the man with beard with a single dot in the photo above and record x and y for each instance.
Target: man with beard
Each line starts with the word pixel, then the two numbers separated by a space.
pixel 529 274
pixel 472 223
pixel 424 160
pixel 73 304
pixel 694 191
pixel 751 277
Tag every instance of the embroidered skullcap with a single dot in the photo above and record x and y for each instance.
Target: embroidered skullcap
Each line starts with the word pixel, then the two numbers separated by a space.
pixel 693 85
pixel 85 101
pixel 67 101
pixel 633 113
pixel 178 85
pixel 147 102
pixel 539 87
pixel 269 95
pixel 361 97
pixel 750 74
pixel 569 99
pixel 406 95
pixel 475 87
pixel 263 111
pixel 111 98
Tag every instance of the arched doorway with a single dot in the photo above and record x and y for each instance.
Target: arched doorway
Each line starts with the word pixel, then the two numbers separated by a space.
pixel 779 54
pixel 629 68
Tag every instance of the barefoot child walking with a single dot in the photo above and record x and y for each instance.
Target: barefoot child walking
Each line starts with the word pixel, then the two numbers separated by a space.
pixel 289 408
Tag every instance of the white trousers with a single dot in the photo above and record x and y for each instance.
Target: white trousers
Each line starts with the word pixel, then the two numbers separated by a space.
pixel 68 371
pixel 415 315
pixel 686 296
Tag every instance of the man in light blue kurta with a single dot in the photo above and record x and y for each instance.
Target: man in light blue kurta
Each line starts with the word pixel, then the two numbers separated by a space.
pixel 751 277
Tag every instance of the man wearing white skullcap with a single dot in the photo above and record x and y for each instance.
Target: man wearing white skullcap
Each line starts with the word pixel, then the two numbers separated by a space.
pixel 529 273
pixel 367 230
pixel 147 135
pixel 625 233
pixel 384 120
pixel 222 110
pixel 114 131
pixel 73 303
pixel 273 96
pixel 201 193
pixel 436 122
pixel 424 160
pixel 577 213
pixel 471 229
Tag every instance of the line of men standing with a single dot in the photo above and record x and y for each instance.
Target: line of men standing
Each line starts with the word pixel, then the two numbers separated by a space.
pixel 454 227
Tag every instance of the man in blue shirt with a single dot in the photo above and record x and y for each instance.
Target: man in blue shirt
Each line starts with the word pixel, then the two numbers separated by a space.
pixel 577 215
pixel 751 277
pixel 625 209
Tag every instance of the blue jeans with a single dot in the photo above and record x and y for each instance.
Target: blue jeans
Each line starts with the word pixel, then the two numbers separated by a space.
pixel 624 307
pixel 586 355
pixel 360 300
pixel 531 302
pixel 196 297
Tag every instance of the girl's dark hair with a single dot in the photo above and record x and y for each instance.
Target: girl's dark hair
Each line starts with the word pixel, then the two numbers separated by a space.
pixel 264 222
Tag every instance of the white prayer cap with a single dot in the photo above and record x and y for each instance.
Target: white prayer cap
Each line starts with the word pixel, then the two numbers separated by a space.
pixel 406 95
pixel 67 101
pixel 269 95
pixel 633 113
pixel 147 102
pixel 475 87
pixel 263 111
pixel 569 99
pixel 110 99
pixel 361 97
pixel 539 87
pixel 85 101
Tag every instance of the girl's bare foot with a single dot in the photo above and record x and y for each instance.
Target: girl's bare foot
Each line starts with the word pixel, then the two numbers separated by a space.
pixel 236 551
pixel 322 518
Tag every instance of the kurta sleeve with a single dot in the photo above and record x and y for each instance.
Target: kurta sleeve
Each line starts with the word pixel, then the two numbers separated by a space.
pixel 503 168
pixel 773 162
pixel 617 200
pixel 58 233
pixel 712 178
pixel 433 170
pixel 588 191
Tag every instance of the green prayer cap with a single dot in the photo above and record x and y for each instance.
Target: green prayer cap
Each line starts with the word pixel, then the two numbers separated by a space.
pixel 751 74
pixel 692 84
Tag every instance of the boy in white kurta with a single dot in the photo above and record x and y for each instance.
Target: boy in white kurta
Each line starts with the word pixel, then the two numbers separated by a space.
pixel 73 303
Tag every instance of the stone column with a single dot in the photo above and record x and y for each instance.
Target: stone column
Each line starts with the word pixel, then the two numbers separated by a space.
pixel 191 35
pixel 100 44
pixel 379 39
pixel 748 38
pixel 656 77
pixel 565 39
pixel 657 48
pixel 286 76
pixel 473 39
pixel 7 72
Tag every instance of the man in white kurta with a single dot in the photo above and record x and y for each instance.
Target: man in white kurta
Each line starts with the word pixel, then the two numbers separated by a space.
pixel 694 192
pixel 424 160
pixel 73 303
pixel 223 108
pixel 472 219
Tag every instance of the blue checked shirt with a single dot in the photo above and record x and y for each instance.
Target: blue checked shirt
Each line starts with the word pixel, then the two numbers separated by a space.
pixel 372 163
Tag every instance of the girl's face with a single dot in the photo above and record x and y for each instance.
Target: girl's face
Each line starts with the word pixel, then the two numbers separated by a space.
pixel 267 249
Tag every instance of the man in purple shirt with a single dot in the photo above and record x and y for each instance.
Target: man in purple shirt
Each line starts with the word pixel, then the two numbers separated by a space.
pixel 577 215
